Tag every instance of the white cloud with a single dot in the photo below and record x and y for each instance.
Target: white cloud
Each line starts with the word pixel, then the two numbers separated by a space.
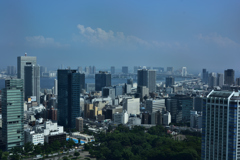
pixel 218 39
pixel 100 36
pixel 40 41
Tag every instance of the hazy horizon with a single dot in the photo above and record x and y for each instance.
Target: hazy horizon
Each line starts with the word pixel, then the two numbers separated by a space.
pixel 192 34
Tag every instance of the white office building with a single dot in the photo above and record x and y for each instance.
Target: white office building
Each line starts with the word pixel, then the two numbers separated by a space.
pixel 120 118
pixel 132 106
pixel 155 105
pixel 166 118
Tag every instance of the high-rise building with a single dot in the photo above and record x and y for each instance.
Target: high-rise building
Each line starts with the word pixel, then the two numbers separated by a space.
pixel 79 124
pixel 212 79
pixel 12 113
pixel 102 79
pixel 125 69
pixel 11 70
pixel 169 81
pixel 205 76
pixel 55 86
pixel 43 70
pixel 130 81
pixel 23 61
pixel 32 82
pixel 220 126
pixel 158 69
pixel 68 97
pixel 80 69
pixel 112 70
pixel 93 69
pixel 219 79
pixel 87 70
pixel 198 103
pixel 179 107
pixel 118 90
pixel 170 69
pixel 237 81
pixel 184 71
pixel 82 82
pixel 229 76
pixel 136 68
pixel 147 78
pixel 108 92
pixel 155 105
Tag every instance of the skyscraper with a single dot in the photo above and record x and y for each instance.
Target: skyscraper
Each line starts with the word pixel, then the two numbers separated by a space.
pixel 237 81
pixel 11 70
pixel 32 82
pixel 93 69
pixel 212 80
pixel 102 79
pixel 147 78
pixel 68 97
pixel 82 81
pixel 170 69
pixel 55 86
pixel 219 79
pixel 125 69
pixel 112 70
pixel 229 77
pixel 23 61
pixel 205 76
pixel 184 71
pixel 169 81
pixel 12 113
pixel 220 126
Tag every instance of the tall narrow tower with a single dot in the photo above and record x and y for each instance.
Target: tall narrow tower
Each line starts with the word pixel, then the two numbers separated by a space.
pixel 12 109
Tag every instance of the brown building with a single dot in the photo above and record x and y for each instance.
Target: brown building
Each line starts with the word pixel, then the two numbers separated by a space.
pixel 79 124
pixel 52 114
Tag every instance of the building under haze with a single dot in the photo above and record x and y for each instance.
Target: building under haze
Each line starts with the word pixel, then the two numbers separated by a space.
pixel 102 79
pixel 68 97
pixel 112 70
pixel 229 76
pixel 205 76
pixel 169 81
pixel 12 117
pixel 147 78
pixel 11 70
pixel 184 71
pixel 32 82
pixel 125 69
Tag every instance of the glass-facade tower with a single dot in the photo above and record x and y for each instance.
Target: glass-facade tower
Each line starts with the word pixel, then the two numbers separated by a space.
pixel 68 97
pixel 12 113
pixel 221 125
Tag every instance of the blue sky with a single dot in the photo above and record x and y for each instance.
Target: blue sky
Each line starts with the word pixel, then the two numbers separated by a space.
pixel 195 34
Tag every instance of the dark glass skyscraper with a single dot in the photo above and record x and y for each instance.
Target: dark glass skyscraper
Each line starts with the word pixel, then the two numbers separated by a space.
pixel 205 76
pixel 169 81
pixel 147 78
pixel 32 82
pixel 229 77
pixel 125 69
pixel 12 113
pixel 102 79
pixel 68 97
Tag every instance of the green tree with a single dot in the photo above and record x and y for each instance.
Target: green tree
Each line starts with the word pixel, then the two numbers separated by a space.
pixel 76 154
pixel 65 158
pixel 28 147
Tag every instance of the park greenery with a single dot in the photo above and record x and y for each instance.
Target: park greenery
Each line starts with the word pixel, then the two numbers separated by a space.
pixel 30 150
pixel 139 144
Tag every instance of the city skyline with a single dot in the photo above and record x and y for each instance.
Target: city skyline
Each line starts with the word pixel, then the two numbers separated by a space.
pixel 199 34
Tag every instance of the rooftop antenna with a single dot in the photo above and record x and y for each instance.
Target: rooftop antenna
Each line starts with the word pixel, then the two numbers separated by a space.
pixel 25 54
